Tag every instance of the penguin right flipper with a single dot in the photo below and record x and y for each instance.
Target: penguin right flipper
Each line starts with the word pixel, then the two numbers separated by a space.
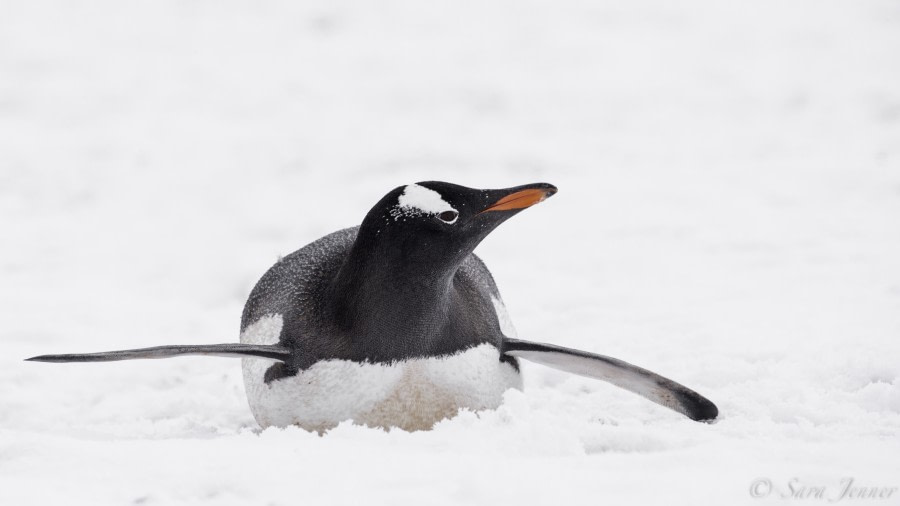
pixel 650 385
pixel 238 350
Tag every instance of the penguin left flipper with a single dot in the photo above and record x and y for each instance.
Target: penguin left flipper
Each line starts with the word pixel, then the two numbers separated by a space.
pixel 650 385
pixel 237 350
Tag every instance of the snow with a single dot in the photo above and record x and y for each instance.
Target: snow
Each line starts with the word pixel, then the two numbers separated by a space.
pixel 376 395
pixel 417 198
pixel 729 179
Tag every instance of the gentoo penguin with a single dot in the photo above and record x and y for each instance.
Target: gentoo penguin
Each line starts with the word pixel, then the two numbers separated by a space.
pixel 396 323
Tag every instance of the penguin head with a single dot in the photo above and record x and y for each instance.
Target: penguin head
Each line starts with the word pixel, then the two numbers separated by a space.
pixel 434 224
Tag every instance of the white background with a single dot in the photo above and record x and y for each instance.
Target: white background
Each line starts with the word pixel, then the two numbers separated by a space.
pixel 728 216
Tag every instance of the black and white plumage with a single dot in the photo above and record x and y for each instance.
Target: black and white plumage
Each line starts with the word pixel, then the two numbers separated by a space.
pixel 396 323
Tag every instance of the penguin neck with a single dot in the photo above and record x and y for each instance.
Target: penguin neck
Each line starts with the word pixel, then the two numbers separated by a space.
pixel 384 302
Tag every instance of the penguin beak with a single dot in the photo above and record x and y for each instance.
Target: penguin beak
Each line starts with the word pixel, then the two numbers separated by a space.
pixel 522 198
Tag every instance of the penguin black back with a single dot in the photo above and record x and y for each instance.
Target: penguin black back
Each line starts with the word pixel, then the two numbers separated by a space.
pixel 299 287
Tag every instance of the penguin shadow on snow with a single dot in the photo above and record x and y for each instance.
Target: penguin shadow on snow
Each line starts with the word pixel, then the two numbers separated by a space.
pixel 397 323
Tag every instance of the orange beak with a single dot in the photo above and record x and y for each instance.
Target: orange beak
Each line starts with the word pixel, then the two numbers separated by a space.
pixel 520 200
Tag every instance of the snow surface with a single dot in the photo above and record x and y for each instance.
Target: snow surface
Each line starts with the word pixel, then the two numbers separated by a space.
pixel 728 216
pixel 411 394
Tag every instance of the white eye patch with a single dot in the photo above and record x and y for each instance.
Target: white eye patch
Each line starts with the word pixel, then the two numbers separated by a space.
pixel 417 199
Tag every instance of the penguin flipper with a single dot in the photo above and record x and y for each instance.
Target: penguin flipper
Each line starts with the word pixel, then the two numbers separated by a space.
pixel 650 385
pixel 239 350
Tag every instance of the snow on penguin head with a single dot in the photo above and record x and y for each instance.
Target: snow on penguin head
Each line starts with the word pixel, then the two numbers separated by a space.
pixel 417 199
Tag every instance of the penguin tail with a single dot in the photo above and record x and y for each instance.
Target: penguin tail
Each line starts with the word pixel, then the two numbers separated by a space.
pixel 650 385
pixel 273 352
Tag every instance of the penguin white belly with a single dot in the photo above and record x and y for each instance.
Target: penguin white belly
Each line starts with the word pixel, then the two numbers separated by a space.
pixel 410 394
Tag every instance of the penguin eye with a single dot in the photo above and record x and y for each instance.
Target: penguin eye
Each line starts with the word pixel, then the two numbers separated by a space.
pixel 448 216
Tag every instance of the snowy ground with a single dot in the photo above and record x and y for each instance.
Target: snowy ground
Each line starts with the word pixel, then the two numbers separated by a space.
pixel 728 215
